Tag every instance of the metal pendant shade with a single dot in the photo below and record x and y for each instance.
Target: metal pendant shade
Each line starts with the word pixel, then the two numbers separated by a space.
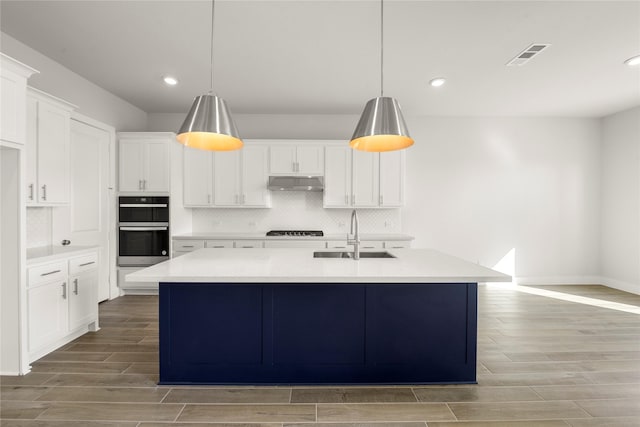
pixel 209 126
pixel 381 127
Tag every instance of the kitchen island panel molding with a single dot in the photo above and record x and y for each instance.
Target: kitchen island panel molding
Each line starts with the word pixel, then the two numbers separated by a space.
pixel 317 333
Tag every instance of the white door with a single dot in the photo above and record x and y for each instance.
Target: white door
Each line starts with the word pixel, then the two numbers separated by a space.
pixel 282 159
pixel 392 178
pixel 53 153
pixel 156 166
pixel 90 192
pixel 254 176
pixel 337 177
pixel 365 178
pixel 310 160
pixel 226 178
pixel 198 177
pixel 130 166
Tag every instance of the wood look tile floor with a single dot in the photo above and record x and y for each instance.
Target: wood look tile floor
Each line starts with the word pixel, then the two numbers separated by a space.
pixel 543 360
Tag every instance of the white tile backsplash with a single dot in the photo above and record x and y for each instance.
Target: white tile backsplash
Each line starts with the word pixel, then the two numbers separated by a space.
pixel 295 210
pixel 38 227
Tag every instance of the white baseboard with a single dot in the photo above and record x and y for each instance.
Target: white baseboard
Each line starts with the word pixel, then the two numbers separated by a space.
pixel 633 288
pixel 558 280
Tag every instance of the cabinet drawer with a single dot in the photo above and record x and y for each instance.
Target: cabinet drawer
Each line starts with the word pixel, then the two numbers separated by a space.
pixel 219 244
pixel 398 244
pixel 371 245
pixel 83 263
pixel 187 245
pixel 338 244
pixel 47 273
pixel 248 244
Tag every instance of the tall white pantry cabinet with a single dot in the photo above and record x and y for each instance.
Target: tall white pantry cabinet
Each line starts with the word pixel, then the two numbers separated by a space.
pixel 13 295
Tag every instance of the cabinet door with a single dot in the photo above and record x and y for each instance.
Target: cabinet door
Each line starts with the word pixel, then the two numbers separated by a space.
pixel 254 176
pixel 131 173
pixel 337 177
pixel 365 176
pixel 53 153
pixel 83 303
pixel 226 178
pixel 13 89
pixel 392 178
pixel 48 313
pixel 282 159
pixel 31 149
pixel 310 160
pixel 156 166
pixel 198 177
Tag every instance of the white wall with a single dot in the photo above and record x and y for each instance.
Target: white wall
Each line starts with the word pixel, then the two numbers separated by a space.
pixel 91 100
pixel 620 250
pixel 525 188
pixel 478 188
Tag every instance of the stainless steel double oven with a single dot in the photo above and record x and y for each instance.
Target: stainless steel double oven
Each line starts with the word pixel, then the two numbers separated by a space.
pixel 143 230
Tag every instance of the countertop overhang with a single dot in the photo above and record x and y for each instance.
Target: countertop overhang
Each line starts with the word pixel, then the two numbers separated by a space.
pixel 299 266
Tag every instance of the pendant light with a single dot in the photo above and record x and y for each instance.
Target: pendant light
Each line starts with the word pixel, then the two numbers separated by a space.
pixel 209 125
pixel 381 126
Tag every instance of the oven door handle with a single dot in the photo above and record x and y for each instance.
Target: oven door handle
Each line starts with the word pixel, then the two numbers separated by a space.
pixel 142 205
pixel 143 228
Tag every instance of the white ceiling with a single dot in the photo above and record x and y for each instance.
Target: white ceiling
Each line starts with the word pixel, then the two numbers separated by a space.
pixel 322 57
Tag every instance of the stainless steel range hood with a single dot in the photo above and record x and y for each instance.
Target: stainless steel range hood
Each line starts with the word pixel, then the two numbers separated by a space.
pixel 296 183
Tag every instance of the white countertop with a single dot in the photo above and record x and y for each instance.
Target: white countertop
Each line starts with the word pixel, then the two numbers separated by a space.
pixel 52 253
pixel 263 236
pixel 299 266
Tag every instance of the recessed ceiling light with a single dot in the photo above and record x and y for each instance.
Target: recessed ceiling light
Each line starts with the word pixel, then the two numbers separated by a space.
pixel 632 62
pixel 171 81
pixel 437 82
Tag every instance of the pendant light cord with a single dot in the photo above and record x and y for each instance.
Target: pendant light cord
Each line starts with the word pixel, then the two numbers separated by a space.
pixel 213 4
pixel 381 47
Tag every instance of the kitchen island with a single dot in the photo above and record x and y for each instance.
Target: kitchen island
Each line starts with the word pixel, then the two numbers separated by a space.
pixel 281 316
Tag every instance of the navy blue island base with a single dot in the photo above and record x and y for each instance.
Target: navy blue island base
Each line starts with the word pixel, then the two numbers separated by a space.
pixel 269 333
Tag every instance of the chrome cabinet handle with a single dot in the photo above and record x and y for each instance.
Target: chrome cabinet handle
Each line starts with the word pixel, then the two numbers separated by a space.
pixel 87 263
pixel 380 200
pixel 346 199
pixel 139 184
pixel 244 198
pixel 64 290
pixel 353 199
pixel 235 199
pixel 144 184
pixel 75 286
pixel 208 198
pixel 51 272
pixel 31 191
pixel 44 192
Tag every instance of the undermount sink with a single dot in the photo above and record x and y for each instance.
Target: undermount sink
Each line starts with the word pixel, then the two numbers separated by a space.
pixel 350 255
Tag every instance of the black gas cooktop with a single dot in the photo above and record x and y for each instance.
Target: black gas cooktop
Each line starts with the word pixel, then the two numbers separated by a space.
pixel 295 233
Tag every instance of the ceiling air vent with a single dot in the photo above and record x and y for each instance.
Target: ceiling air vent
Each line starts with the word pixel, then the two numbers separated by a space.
pixel 526 55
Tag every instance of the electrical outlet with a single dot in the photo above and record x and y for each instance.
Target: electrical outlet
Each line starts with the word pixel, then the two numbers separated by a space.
pixel 341 224
pixel 252 224
pixel 217 223
pixel 388 223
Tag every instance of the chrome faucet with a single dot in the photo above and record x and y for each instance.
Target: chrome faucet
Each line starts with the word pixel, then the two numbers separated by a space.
pixel 354 238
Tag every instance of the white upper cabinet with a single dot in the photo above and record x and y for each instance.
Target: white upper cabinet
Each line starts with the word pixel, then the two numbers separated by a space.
pixel 296 158
pixel 392 173
pixel 47 146
pixel 13 93
pixel 254 176
pixel 144 161
pixel 227 178
pixel 365 179
pixel 337 177
pixel 358 179
pixel 198 177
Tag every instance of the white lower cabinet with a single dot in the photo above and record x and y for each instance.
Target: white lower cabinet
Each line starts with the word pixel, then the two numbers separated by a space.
pixel 62 302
